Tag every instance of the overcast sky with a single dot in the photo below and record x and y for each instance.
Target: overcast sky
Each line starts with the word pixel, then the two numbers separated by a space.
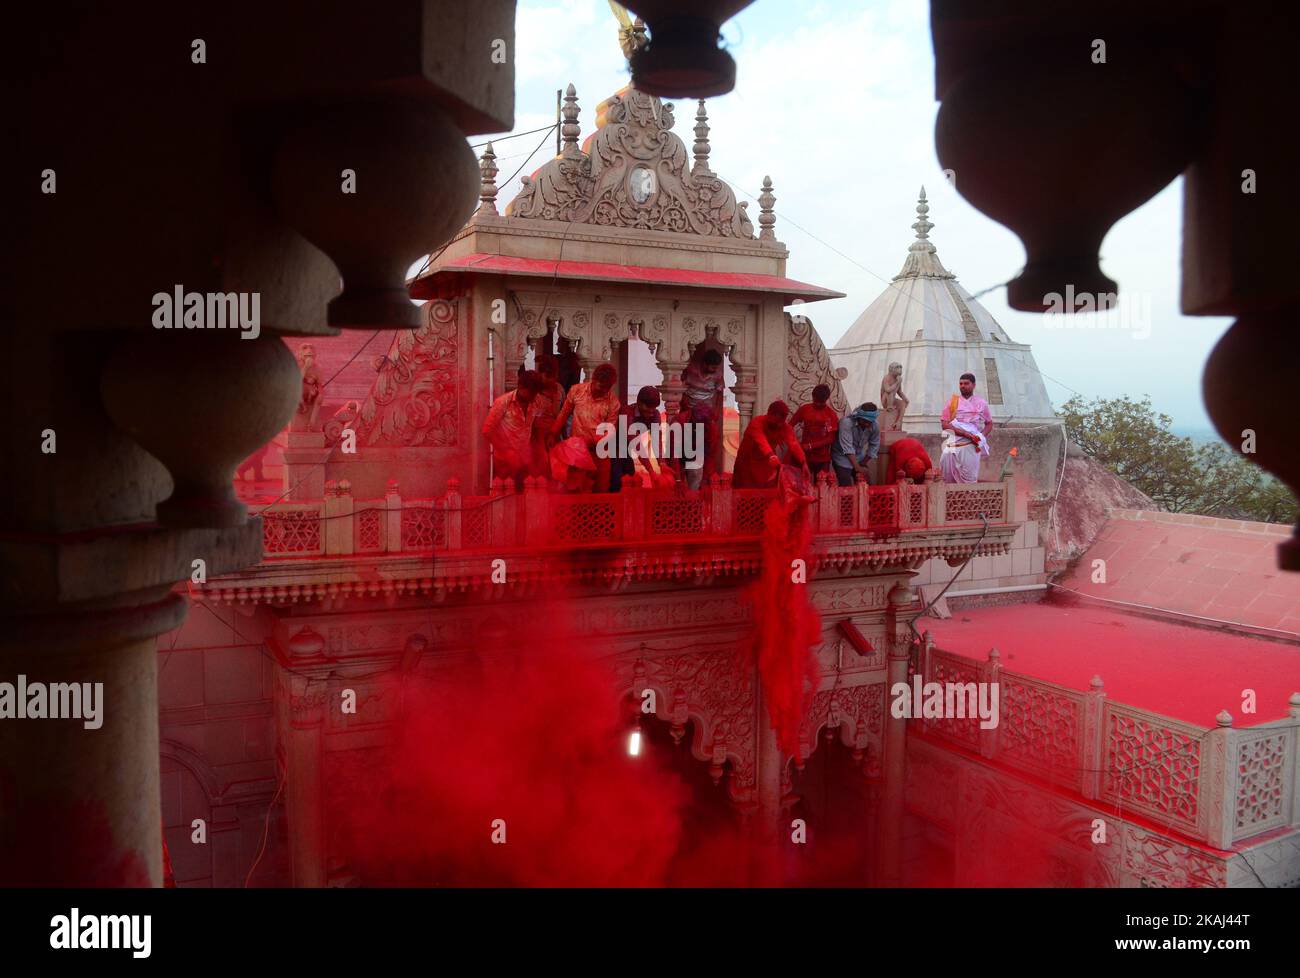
pixel 835 102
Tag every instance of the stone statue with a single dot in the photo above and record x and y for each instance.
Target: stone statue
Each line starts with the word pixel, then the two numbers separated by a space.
pixel 893 402
pixel 309 402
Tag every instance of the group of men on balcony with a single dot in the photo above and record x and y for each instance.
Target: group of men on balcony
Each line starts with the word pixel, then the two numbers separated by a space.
pixel 540 429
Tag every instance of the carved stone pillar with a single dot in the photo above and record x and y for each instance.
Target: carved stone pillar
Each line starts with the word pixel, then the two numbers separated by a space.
pixel 765 823
pixel 890 829
pixel 301 704
pixel 350 125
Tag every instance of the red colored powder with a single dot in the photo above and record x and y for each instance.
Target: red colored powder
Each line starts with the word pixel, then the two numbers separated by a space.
pixel 786 626
pixel 530 735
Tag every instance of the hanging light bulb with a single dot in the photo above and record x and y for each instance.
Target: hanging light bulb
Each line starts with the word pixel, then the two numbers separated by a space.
pixel 634 741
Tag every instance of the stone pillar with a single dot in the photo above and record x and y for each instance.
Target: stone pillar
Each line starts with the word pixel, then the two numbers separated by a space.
pixel 890 829
pixel 131 432
pixel 80 806
pixel 303 761
pixel 766 836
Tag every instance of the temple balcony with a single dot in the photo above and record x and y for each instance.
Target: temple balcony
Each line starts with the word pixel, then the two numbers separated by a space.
pixel 340 546
pixel 1222 788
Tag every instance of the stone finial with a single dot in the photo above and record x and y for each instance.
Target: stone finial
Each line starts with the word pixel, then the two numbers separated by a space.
pixel 570 129
pixel 1223 718
pixel 766 217
pixel 487 168
pixel 1294 703
pixel 922 225
pixel 922 259
pixel 1096 684
pixel 701 147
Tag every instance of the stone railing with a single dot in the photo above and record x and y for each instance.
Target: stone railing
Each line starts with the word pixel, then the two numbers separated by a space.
pixel 1217 785
pixel 341 525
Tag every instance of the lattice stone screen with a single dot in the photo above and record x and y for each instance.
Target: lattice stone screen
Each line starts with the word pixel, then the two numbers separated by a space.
pixel 1040 729
pixel 290 532
pixel 1151 766
pixel 476 524
pixel 882 512
pixel 672 517
pixel 369 534
pixel 848 512
pixel 423 527
pixel 1263 782
pixel 585 521
pixel 963 505
pixel 751 511
pixel 946 668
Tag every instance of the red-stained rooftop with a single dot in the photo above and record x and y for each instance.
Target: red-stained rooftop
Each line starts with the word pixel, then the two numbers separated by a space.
pixel 433 284
pixel 1179 670
pixel 1193 566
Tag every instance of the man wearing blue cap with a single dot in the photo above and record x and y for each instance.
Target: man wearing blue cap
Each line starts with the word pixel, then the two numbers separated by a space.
pixel 858 441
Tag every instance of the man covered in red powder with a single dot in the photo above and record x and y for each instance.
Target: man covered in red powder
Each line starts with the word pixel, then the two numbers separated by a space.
pixel 907 459
pixel 548 402
pixel 757 461
pixel 509 428
pixel 819 424
pixel 592 404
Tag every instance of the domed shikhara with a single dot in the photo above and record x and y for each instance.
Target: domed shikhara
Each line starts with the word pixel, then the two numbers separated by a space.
pixel 927 322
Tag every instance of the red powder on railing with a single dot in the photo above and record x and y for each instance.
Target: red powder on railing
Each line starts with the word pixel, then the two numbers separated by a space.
pixel 786 625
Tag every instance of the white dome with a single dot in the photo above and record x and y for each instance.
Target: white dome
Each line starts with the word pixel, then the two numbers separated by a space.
pixel 927 322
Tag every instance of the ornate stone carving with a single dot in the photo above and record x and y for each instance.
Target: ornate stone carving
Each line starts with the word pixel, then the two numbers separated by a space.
pixel 654 331
pixel 808 364
pixel 413 401
pixel 343 419
pixel 857 711
pixel 854 598
pixel 635 176
pixel 893 402
pixel 707 686
pixel 1155 861
pixel 1262 784
pixel 523 329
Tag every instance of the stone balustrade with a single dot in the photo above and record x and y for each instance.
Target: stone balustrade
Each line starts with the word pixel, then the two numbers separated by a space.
pixel 1219 785
pixel 340 525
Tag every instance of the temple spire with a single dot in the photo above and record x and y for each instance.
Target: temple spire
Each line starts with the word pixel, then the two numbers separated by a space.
pixel 487 168
pixel 701 148
pixel 922 225
pixel 570 129
pixel 766 216
pixel 922 258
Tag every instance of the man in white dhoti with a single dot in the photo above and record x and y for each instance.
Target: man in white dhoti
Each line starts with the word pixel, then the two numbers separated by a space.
pixel 968 423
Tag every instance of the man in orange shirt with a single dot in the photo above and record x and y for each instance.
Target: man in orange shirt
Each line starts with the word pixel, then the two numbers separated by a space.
pixel 819 424
pixel 592 404
pixel 757 461
pixel 509 428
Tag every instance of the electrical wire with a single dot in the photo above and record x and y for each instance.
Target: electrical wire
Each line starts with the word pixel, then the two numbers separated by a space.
pixel 266 831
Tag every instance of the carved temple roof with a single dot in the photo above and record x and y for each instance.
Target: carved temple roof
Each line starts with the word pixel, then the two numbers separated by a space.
pixel 633 172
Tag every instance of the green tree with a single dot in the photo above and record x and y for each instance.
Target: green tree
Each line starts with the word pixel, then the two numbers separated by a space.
pixel 1133 440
